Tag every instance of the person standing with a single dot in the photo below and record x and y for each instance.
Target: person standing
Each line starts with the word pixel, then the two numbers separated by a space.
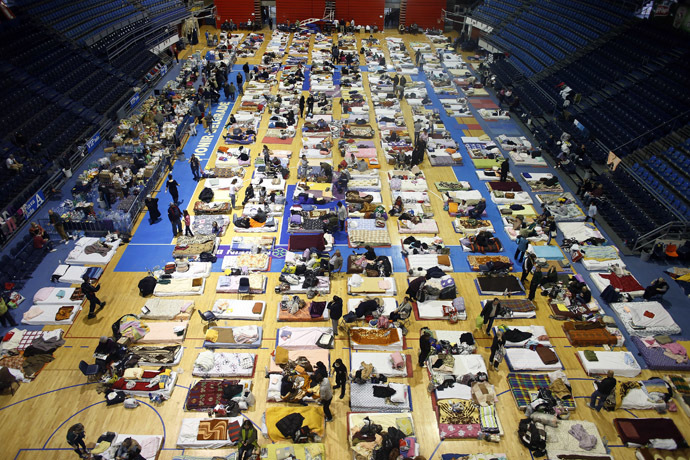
pixel 527 267
pixel 522 244
pixel 171 186
pixel 551 228
pixel 604 389
pixel 310 104
pixel 342 215
pixel 497 349
pixel 75 438
pixel 152 205
pixel 240 88
pixel 505 168
pixel 245 69
pixel 58 225
pixel 270 23
pixel 301 106
pixel 175 216
pixel 195 165
pixel 335 311
pixel 232 90
pixel 591 211
pixel 336 262
pixel 326 396
pixel 187 223
pixel 424 347
pixel 234 188
pixel 340 376
pixel 89 291
pixel 534 283
pixel 490 312
pixel 248 441
pixel 208 121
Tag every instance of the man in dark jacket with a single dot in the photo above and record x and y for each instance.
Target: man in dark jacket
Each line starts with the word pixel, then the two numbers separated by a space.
pixel 527 266
pixel 335 309
pixel 89 291
pixel 195 165
pixel 175 216
pixel 490 312
pixel 604 389
pixel 505 168
pixel 424 346
pixel 152 205
pixel 536 280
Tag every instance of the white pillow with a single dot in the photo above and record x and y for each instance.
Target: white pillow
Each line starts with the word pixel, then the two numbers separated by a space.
pixel 205 360
pixel 399 396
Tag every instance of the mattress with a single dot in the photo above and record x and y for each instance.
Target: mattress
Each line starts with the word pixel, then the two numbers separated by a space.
pixel 559 442
pixel 462 365
pixel 547 252
pixel 230 284
pixel 526 386
pixel 579 231
pixel 44 315
pixel 362 398
pixel 646 318
pixel 196 270
pixel 253 262
pixel 167 309
pixel 355 421
pixel 641 430
pixel 313 418
pixel 224 364
pixel 145 386
pixel 499 285
pixel 406 227
pixel 78 256
pixel 239 309
pixel 536 331
pixel 382 363
pixel 165 356
pixel 163 332
pixel 151 445
pixel 301 338
pixel 72 274
pixel 372 286
pixel 56 296
pixel 312 355
pixel 367 338
pixel 235 337
pixel 189 433
pixel 622 363
pixel 524 359
pixel 389 305
pixel 657 360
pixel 433 309
pixel 180 287
pixel 519 308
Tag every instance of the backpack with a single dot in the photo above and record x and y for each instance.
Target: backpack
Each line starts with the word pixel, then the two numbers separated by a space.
pixel 147 286
pixel 207 257
pixel 206 195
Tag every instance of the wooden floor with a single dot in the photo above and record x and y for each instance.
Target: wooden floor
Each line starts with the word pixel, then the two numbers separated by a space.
pixel 36 418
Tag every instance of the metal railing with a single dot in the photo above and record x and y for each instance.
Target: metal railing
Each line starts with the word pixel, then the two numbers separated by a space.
pixel 671 230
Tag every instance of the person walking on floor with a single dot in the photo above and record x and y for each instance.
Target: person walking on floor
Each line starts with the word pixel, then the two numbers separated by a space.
pixel 301 106
pixel 326 396
pixel 195 165
pixel 604 389
pixel 89 291
pixel 490 312
pixel 310 104
pixel 171 186
pixel 187 223
pixel 534 283
pixel 497 349
pixel 245 69
pixel 424 346
pixel 527 267
pixel 152 205
pixel 58 225
pixel 175 217
pixel 240 88
pixel 75 438
pixel 335 311
pixel 208 121
pixel 342 215
pixel 522 244
pixel 505 169
pixel 248 441
pixel 340 376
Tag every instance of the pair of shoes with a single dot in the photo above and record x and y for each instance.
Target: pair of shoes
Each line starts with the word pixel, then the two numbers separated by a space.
pixel 101 307
pixel 91 316
pixel 329 419
pixel 342 396
pixel 53 250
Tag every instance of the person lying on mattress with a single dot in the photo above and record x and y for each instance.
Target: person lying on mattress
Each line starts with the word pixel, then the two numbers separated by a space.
pixel 295 387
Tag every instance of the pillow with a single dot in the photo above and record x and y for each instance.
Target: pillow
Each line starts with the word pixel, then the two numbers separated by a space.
pixel 384 284
pixel 628 430
pixel 43 294
pixel 205 361
pixel 258 308
pixel 444 260
pixel 663 339
pixel 281 356
pixel 404 425
pixel 133 373
pixel 212 335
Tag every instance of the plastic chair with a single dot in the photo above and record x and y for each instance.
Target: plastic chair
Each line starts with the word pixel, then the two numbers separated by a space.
pixel 91 371
pixel 671 251
pixel 243 288
pixel 208 317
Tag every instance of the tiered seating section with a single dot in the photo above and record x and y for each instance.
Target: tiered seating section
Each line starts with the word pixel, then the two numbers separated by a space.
pixel 495 13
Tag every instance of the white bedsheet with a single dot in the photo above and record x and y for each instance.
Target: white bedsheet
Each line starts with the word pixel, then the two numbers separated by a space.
pixel 77 256
pixel 389 305
pixel 381 361
pixel 47 315
pixel 524 359
pixel 301 338
pixel 535 330
pixel 238 309
pixel 622 363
